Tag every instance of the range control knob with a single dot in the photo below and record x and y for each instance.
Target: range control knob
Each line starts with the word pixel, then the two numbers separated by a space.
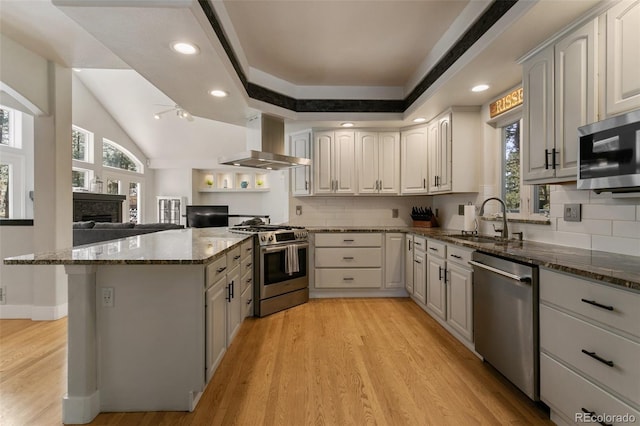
pixel 270 237
pixel 263 238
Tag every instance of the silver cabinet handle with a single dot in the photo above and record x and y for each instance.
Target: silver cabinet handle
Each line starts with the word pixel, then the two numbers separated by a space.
pixel 500 272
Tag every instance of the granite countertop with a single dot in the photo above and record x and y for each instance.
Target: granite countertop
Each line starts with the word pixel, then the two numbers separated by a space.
pixel 612 268
pixel 172 247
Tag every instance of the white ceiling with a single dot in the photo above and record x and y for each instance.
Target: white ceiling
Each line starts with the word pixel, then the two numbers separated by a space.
pixel 307 48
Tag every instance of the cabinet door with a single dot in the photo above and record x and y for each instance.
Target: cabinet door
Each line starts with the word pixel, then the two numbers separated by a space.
pixel 420 275
pixel 436 288
pixel 413 161
pixel 433 155
pixel 344 162
pixel 623 60
pixel 389 162
pixel 537 82
pixel 460 300
pixel 367 162
pixel 322 163
pixel 394 265
pixel 216 325
pixel 234 306
pixel 301 176
pixel 408 259
pixel 575 94
pixel 444 153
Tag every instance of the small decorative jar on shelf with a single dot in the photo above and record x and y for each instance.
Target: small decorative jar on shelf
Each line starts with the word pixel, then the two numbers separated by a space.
pixel 244 184
pixel 209 180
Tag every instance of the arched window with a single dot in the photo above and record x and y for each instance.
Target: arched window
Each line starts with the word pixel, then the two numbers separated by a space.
pixel 113 155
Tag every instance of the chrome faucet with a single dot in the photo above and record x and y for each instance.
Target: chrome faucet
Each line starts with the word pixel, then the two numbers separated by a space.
pixel 505 230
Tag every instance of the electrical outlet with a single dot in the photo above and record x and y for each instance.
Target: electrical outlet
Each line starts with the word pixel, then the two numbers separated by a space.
pixel 298 210
pixel 461 209
pixel 394 213
pixel 107 297
pixel 572 213
pixel 3 295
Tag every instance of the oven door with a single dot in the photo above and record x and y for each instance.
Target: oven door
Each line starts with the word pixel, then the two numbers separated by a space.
pixel 274 281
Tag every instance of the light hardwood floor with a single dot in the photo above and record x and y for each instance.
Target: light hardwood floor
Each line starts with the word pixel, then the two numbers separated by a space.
pixel 328 362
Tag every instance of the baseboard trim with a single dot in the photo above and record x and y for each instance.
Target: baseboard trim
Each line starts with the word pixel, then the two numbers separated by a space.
pixel 333 293
pixel 35 313
pixel 80 409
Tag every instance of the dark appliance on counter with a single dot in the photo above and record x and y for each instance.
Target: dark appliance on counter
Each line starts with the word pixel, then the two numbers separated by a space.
pixel 609 154
pixel 282 276
pixel 207 216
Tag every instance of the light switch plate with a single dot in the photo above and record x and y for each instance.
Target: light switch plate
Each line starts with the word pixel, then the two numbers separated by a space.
pixel 572 213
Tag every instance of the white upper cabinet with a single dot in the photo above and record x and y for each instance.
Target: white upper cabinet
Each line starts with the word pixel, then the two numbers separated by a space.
pixel 440 144
pixel 378 162
pixel 622 70
pixel 334 159
pixel 560 94
pixel 413 161
pixel 300 146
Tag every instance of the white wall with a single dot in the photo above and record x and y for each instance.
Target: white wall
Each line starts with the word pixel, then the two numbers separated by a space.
pixel 89 114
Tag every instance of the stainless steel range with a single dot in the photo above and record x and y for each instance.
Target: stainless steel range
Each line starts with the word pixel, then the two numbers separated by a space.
pixel 282 253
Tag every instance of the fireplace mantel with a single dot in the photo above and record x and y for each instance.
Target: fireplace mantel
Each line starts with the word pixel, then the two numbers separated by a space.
pixel 97 207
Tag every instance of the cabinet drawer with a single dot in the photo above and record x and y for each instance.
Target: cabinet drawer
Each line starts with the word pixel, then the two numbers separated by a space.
pixel 420 243
pixel 567 338
pixel 349 278
pixel 437 248
pixel 574 294
pixel 233 257
pixel 216 270
pixel 569 393
pixel 246 299
pixel 246 281
pixel 246 249
pixel 459 255
pixel 349 240
pixel 349 258
pixel 246 265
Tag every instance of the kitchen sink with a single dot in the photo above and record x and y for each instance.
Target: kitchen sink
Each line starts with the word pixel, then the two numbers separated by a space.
pixel 482 239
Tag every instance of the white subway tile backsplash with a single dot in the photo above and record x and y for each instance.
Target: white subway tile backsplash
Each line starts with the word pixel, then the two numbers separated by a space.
pixel 630 246
pixel 586 226
pixel 626 229
pixel 563 196
pixel 612 212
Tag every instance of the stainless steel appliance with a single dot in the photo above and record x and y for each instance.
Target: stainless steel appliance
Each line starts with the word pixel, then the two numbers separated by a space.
pixel 609 154
pixel 282 276
pixel 505 318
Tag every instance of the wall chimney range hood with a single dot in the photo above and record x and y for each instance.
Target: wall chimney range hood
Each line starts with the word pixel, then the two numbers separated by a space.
pixel 265 141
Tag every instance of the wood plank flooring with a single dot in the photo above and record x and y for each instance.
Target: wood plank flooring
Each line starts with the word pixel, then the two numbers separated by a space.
pixel 328 362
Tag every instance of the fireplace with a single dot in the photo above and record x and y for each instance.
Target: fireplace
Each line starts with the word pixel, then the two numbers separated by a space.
pixel 97 207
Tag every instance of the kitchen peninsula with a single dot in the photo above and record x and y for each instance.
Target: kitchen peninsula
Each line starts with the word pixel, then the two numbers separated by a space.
pixel 138 320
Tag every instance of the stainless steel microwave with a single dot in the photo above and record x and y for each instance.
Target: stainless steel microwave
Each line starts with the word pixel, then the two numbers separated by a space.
pixel 609 154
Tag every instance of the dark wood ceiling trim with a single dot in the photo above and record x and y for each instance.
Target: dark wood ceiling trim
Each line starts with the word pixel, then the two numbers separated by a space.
pixel 488 18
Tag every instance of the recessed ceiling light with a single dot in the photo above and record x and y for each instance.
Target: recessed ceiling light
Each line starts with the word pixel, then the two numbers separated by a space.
pixel 218 93
pixel 156 116
pixel 480 88
pixel 269 168
pixel 419 120
pixel 236 164
pixel 77 69
pixel 347 124
pixel 185 48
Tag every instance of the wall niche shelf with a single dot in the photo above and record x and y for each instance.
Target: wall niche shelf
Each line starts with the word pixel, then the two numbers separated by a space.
pixel 232 181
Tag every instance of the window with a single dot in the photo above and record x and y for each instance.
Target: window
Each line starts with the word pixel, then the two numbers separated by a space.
pixel 5 185
pixel 134 208
pixel 80 179
pixel 6 126
pixel 536 198
pixel 81 144
pixel 511 166
pixel 113 186
pixel 117 157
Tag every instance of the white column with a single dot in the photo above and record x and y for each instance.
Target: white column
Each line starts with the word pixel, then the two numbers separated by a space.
pixel 81 404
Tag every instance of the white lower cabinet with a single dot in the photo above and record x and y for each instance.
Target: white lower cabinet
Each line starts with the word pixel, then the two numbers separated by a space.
pixel 408 263
pixel 588 341
pixel 228 300
pixel 420 269
pixel 459 299
pixel 393 260
pixel 437 286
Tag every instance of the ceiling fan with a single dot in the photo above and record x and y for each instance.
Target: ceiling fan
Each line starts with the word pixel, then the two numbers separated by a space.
pixel 180 112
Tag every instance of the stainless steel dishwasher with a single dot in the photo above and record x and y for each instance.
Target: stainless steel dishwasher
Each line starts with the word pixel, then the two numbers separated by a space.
pixel 505 318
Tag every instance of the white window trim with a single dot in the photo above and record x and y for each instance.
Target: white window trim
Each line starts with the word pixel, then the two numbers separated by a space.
pixel 17 184
pixel 89 151
pixel 126 177
pixel 15 128
pixel 88 178
pixel 128 153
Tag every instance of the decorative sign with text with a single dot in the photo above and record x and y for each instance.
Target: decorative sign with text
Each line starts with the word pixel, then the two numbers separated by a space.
pixel 506 103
